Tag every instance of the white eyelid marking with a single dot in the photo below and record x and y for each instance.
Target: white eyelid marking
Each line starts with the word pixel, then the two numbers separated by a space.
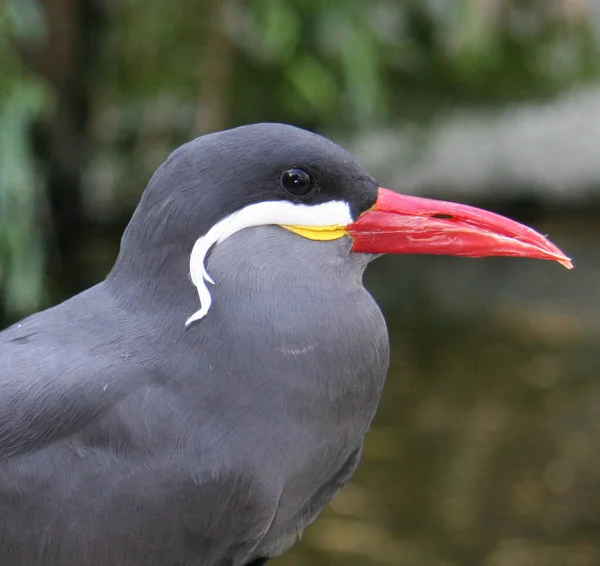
pixel 259 214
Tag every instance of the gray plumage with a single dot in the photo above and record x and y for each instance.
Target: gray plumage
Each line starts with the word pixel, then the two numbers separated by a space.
pixel 129 439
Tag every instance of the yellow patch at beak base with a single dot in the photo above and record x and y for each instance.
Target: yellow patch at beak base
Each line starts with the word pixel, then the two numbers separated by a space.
pixel 323 233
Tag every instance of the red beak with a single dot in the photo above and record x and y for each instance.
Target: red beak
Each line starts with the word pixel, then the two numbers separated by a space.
pixel 401 224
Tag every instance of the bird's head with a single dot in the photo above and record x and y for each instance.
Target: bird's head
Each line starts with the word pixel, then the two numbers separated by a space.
pixel 274 174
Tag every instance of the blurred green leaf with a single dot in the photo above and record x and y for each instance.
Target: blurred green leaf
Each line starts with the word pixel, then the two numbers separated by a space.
pixel 360 63
pixel 27 20
pixel 280 25
pixel 21 184
pixel 314 83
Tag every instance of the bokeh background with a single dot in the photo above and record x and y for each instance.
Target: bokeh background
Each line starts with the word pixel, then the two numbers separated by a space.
pixel 486 449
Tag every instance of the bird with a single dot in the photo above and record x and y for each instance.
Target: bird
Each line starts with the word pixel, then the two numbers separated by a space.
pixel 204 402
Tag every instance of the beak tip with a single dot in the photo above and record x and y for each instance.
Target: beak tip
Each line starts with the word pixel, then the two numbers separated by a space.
pixel 566 262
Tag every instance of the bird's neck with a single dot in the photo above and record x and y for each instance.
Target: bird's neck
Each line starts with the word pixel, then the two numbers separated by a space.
pixel 289 318
pixel 154 284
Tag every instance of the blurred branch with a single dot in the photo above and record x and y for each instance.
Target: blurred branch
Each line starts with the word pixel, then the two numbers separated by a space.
pixel 217 61
pixel 68 60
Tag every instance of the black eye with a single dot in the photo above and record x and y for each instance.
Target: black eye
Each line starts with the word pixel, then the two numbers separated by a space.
pixel 296 181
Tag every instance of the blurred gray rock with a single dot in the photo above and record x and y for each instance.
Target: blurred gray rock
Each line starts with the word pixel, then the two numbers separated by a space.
pixel 551 150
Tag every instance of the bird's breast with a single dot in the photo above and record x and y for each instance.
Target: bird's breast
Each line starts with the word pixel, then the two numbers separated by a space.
pixel 307 365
